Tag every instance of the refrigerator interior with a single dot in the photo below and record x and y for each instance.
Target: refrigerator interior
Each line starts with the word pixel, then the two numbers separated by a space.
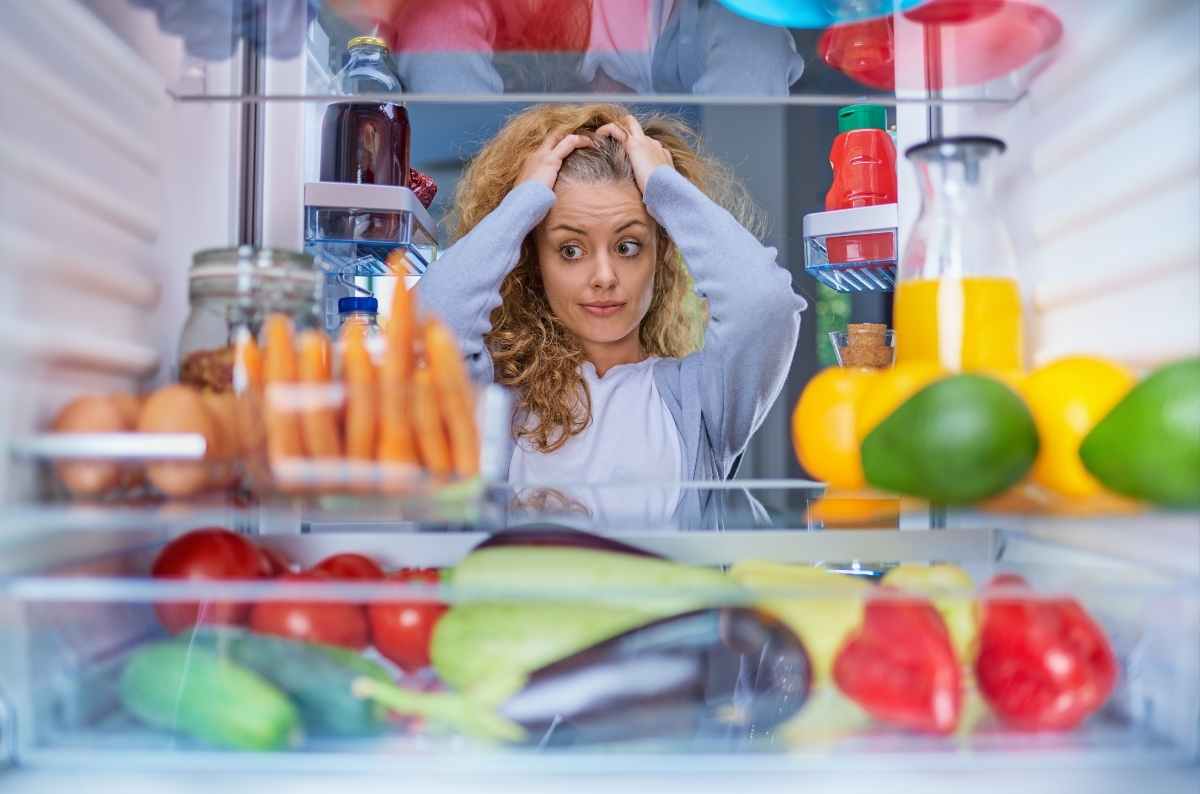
pixel 135 147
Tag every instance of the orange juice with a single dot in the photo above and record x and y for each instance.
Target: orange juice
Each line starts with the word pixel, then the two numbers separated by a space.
pixel 971 323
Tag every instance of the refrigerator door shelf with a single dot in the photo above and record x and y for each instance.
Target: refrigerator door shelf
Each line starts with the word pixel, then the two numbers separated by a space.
pixel 853 250
pixel 352 229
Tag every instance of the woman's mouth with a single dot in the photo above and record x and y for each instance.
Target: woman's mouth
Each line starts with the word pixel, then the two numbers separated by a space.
pixel 603 308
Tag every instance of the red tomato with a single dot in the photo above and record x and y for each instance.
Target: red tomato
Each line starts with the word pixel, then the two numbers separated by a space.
pixel 277 561
pixel 209 553
pixel 350 566
pixel 900 666
pixel 1043 664
pixel 402 630
pixel 328 622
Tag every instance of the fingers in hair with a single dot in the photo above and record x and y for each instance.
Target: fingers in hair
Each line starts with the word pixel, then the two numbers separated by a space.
pixel 569 144
pixel 634 128
pixel 614 131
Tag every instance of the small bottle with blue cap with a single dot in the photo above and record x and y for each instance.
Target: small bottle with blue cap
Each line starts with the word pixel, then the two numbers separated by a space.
pixel 362 310
pixel 359 310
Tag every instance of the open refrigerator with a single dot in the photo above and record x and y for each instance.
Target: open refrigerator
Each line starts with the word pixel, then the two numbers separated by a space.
pixel 144 137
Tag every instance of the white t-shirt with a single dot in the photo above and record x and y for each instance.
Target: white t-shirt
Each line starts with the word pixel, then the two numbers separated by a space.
pixel 632 439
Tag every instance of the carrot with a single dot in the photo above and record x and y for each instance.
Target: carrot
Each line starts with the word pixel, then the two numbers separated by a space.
pixel 427 419
pixel 454 396
pixel 362 411
pixel 248 385
pixel 247 362
pixel 326 352
pixel 396 441
pixel 318 421
pixel 402 320
pixel 280 361
pixel 284 440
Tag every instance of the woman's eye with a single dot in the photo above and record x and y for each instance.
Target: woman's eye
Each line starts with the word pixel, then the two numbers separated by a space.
pixel 571 252
pixel 629 248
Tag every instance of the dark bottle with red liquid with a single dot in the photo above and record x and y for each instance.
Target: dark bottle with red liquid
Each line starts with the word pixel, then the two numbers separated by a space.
pixel 367 142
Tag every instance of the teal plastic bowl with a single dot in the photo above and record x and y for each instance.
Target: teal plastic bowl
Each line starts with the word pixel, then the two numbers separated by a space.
pixel 815 13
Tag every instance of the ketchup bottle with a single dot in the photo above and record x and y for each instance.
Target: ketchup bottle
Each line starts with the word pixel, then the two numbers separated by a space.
pixel 863 159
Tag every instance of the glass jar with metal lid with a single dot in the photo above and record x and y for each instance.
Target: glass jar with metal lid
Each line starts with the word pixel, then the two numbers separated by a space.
pixel 230 289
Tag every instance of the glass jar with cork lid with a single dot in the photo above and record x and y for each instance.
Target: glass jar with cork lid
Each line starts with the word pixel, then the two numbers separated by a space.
pixel 864 346
pixel 230 292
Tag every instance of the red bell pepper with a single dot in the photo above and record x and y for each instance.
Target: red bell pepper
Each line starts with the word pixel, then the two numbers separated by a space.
pixel 900 666
pixel 1043 664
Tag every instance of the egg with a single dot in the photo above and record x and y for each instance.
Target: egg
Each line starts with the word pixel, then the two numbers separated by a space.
pixel 133 475
pixel 222 409
pixel 130 406
pixel 178 409
pixel 93 413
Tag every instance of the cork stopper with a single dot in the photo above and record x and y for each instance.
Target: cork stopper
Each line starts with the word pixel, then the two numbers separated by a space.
pixel 866 346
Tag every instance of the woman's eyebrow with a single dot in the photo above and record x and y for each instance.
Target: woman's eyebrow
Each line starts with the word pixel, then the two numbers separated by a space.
pixel 567 228
pixel 633 222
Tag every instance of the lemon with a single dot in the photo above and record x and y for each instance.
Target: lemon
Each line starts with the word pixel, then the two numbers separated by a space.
pixel 823 426
pixel 1067 398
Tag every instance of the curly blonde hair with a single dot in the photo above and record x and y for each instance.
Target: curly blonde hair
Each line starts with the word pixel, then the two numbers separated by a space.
pixel 532 351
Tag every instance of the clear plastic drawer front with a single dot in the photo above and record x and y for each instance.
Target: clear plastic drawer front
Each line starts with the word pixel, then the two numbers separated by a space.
pixel 776 647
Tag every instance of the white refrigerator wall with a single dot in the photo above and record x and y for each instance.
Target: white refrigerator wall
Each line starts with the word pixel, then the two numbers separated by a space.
pixel 1101 182
pixel 106 189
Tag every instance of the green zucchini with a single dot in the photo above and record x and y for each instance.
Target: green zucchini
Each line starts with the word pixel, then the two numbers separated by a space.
pixel 342 693
pixel 193 690
pixel 317 677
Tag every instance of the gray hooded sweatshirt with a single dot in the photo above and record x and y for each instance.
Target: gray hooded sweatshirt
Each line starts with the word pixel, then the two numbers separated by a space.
pixel 718 396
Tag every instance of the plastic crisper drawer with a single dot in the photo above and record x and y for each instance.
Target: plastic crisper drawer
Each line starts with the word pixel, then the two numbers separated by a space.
pixel 752 675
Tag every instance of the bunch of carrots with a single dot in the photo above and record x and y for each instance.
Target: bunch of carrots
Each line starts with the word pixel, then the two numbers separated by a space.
pixel 413 406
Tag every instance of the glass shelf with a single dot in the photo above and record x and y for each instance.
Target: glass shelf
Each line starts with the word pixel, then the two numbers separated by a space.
pixel 705 52
pixel 648 510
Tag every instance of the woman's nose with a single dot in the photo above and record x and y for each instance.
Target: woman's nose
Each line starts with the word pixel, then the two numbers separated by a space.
pixel 604 276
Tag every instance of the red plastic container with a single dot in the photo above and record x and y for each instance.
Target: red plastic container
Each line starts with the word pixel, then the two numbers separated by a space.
pixel 863 159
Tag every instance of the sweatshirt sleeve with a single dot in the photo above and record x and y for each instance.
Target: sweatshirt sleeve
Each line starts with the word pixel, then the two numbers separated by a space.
pixel 462 286
pixel 754 316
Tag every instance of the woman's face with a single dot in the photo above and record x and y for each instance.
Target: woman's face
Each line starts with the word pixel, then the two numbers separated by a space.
pixel 597 250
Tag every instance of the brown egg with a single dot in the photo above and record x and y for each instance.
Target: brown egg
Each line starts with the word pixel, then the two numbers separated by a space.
pixel 91 413
pixel 178 409
pixel 222 408
pixel 133 474
pixel 130 406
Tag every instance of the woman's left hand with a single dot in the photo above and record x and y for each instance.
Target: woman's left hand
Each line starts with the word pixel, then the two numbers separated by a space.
pixel 645 153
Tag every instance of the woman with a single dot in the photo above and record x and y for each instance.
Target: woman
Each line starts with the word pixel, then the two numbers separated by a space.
pixel 567 285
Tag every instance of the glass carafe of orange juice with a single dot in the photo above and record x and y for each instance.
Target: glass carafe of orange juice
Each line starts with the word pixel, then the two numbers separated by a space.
pixel 957 299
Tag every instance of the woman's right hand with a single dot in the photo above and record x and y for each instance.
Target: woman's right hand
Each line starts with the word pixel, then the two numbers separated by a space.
pixel 543 165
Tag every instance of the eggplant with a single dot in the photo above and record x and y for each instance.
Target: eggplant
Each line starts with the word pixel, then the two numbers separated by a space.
pixel 555 535
pixel 732 671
